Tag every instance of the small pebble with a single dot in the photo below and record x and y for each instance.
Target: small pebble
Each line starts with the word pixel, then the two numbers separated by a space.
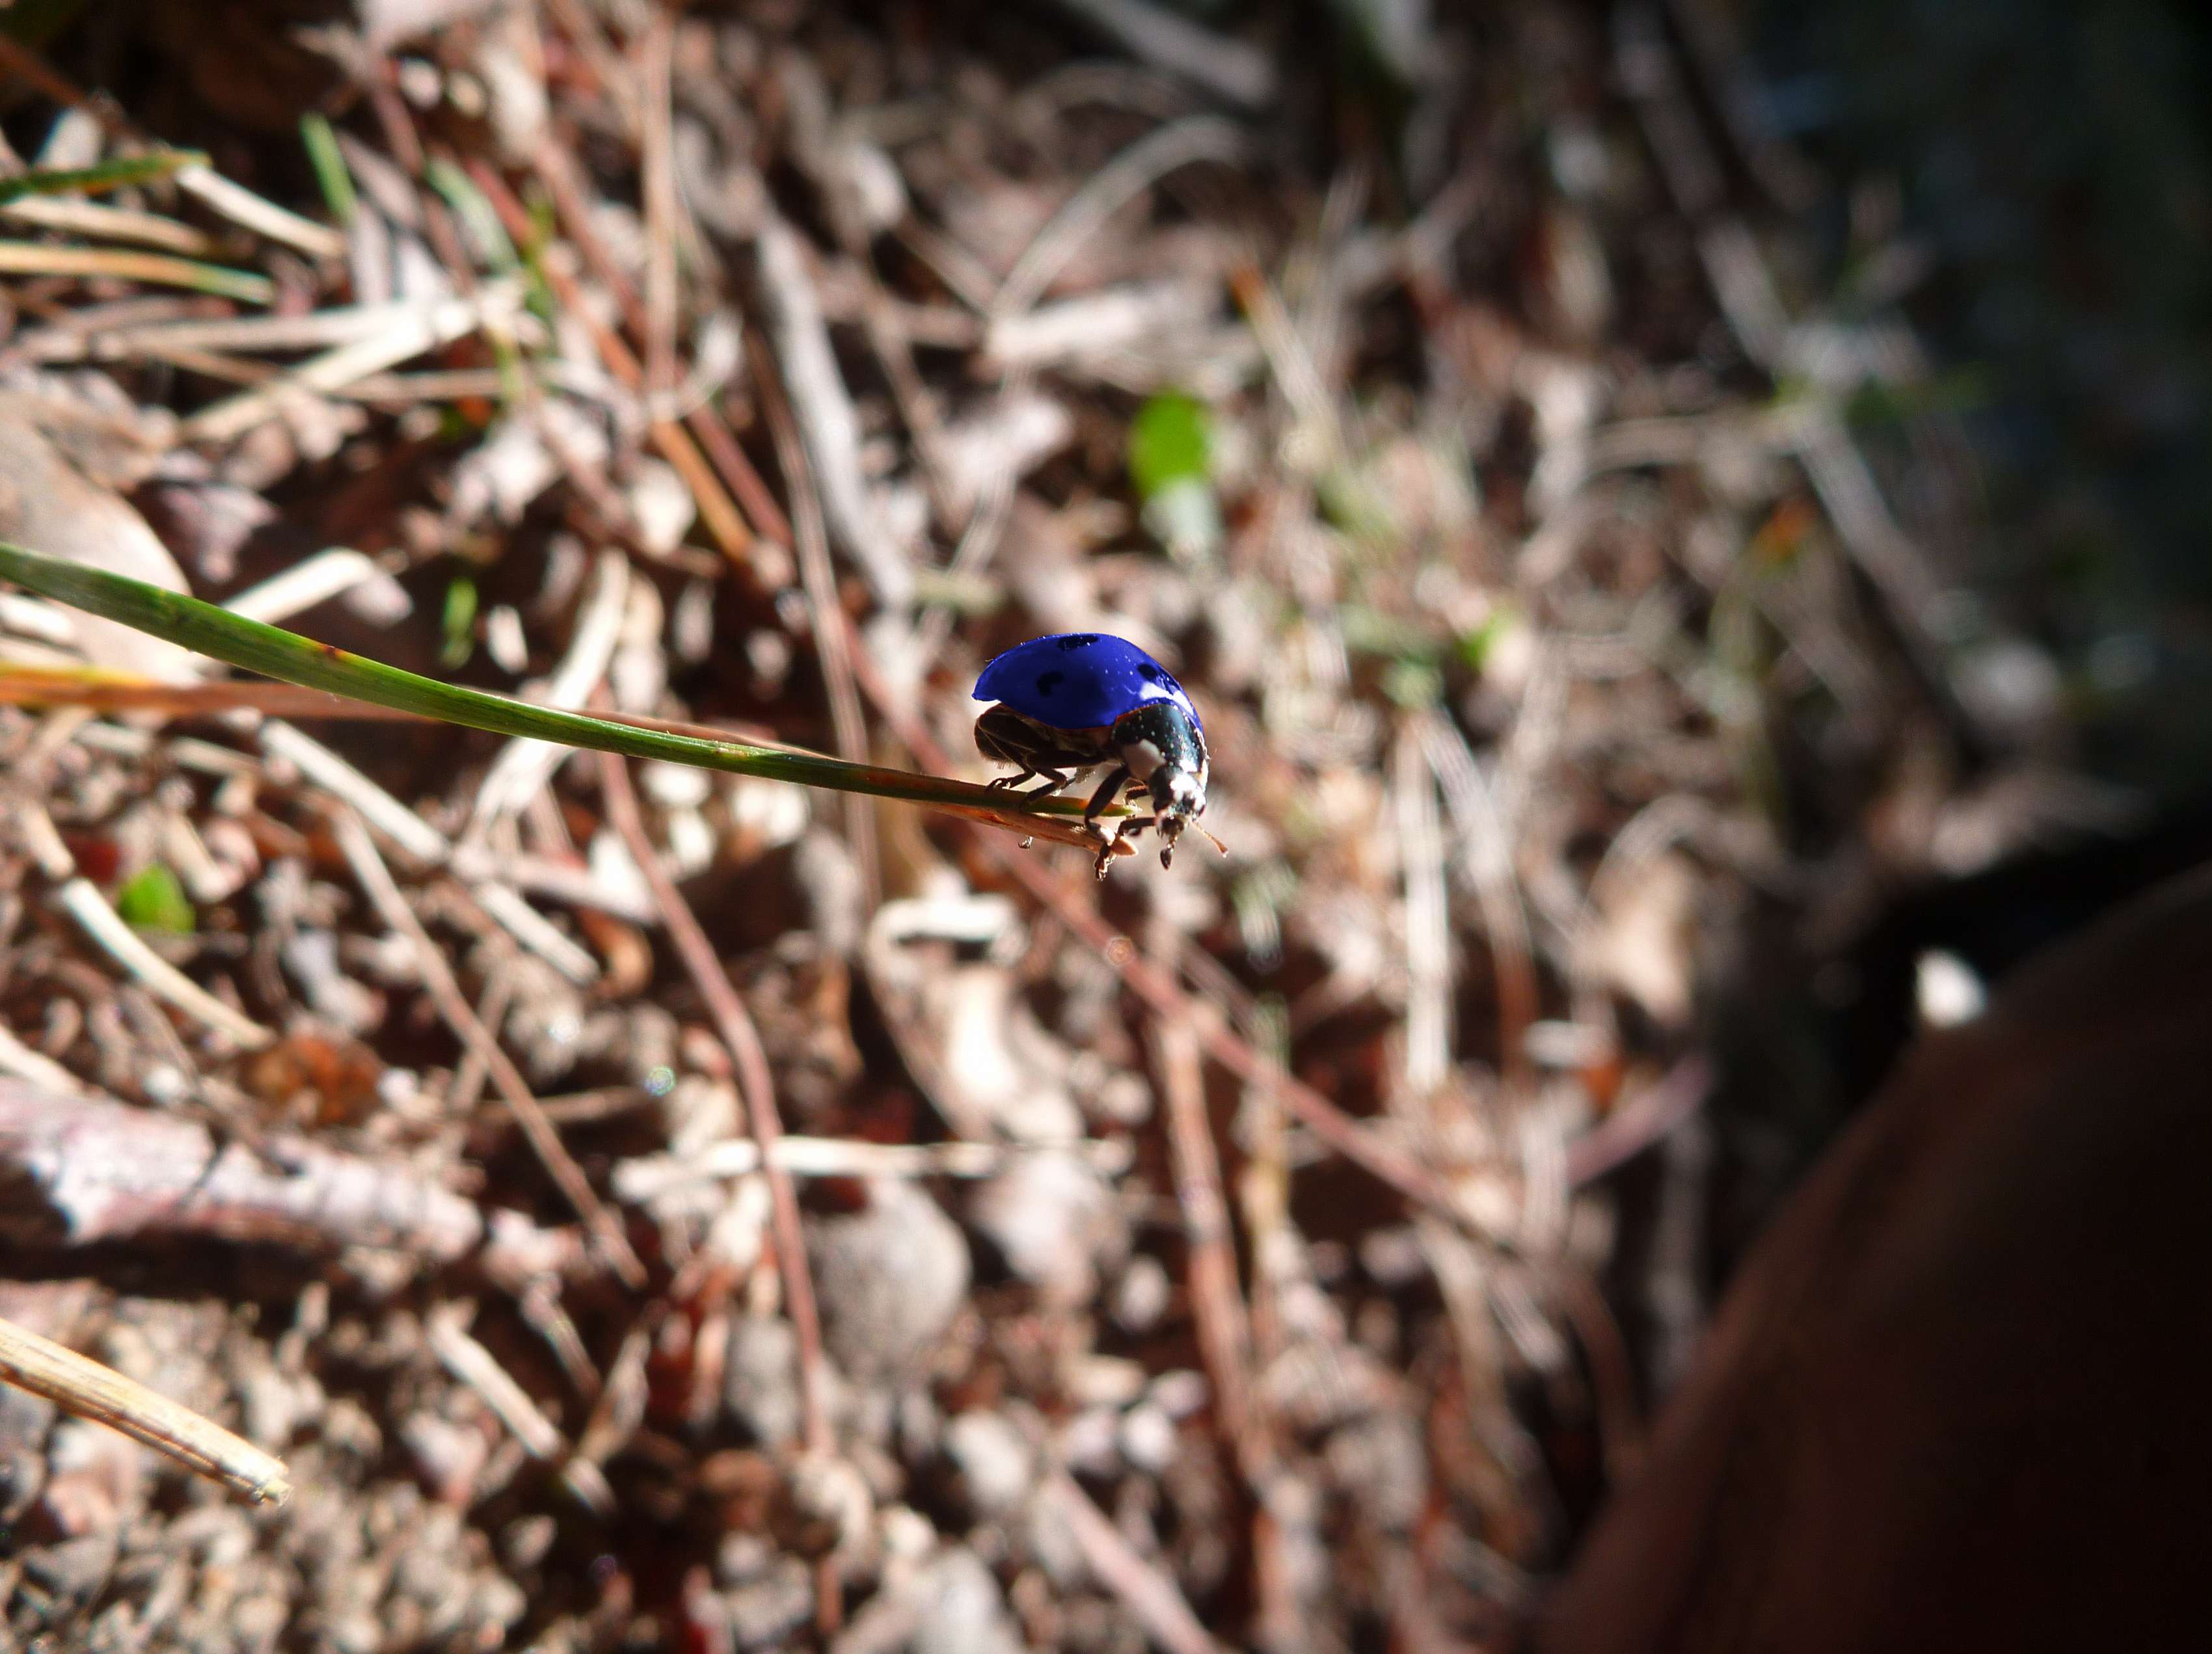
pixel 525 1542
pixel 1105 1381
pixel 1086 1441
pixel 965 1611
pixel 1143 1295
pixel 767 1612
pixel 1147 1438
pixel 760 1383
pixel 1181 1392
pixel 992 1457
pixel 890 1278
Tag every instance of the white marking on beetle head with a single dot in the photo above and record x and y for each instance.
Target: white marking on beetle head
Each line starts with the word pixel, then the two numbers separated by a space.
pixel 1143 758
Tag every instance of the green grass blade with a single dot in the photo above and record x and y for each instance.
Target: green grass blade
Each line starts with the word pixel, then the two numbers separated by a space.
pixel 128 264
pixel 331 176
pixel 107 175
pixel 286 656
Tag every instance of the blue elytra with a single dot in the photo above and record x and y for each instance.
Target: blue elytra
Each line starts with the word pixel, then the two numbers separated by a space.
pixel 1074 700
pixel 1079 681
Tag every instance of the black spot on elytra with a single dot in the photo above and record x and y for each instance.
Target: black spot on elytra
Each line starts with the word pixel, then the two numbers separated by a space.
pixel 1152 673
pixel 1049 681
pixel 1075 640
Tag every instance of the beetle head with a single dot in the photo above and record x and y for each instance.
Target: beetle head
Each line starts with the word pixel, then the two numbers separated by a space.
pixel 1178 800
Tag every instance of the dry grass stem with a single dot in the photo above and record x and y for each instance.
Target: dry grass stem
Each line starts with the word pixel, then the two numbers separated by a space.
pixel 29 258
pixel 90 1391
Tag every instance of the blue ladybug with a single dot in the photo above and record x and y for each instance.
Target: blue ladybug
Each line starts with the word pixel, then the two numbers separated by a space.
pixel 1077 699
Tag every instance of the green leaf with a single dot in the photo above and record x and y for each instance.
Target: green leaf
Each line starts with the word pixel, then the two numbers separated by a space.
pixel 1170 441
pixel 274 652
pixel 458 623
pixel 152 899
pixel 1473 647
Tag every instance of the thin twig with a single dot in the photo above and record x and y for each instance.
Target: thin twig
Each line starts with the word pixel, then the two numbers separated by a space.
pixel 716 510
pixel 333 325
pixel 81 898
pixel 1148 1593
pixel 1219 64
pixel 1224 1335
pixel 335 776
pixel 557 170
pixel 742 1041
pixel 384 892
pixel 22 1062
pixel 833 639
pixel 673 441
pixel 466 1086
pixel 1094 326
pixel 476 1366
pixel 1144 163
pixel 588 37
pixel 411 335
pixel 524 765
pixel 1645 1117
pixel 822 408
pixel 311 580
pixel 1487 863
pixel 240 205
pixel 504 904
pixel 657 187
pixel 639 1181
pixel 84 1387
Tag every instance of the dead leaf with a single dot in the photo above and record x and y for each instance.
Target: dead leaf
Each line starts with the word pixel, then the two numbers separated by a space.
pixel 1642 942
pixel 49 505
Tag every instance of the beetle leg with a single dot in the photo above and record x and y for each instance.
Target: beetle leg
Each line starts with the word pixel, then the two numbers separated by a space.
pixel 1054 779
pixel 1104 795
pixel 1109 848
pixel 1099 800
